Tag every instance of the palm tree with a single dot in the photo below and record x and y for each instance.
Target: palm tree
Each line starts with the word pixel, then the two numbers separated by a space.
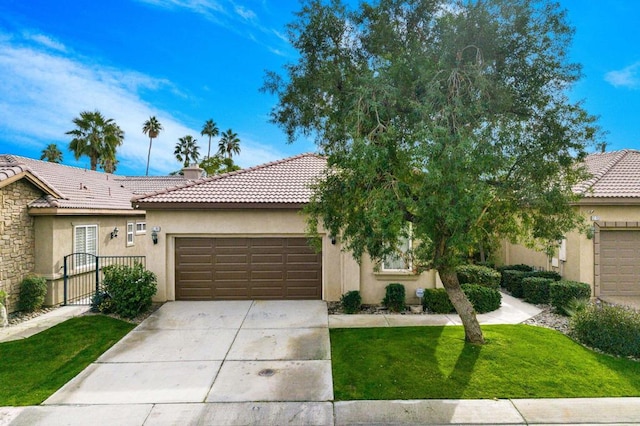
pixel 151 127
pixel 52 154
pixel 186 150
pixel 210 129
pixel 229 144
pixel 97 138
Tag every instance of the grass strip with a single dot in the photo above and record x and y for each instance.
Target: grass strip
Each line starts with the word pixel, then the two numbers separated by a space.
pixel 518 361
pixel 32 369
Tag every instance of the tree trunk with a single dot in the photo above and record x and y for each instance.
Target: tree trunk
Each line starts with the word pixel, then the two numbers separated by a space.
pixel 472 330
pixel 148 156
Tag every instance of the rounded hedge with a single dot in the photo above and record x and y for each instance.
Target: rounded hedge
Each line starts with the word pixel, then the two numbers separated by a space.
pixel 612 329
pixel 33 290
pixel 480 275
pixel 351 302
pixel 482 298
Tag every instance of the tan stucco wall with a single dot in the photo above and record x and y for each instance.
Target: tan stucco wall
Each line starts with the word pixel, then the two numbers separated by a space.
pixel 17 237
pixel 55 239
pixel 341 272
pixel 579 264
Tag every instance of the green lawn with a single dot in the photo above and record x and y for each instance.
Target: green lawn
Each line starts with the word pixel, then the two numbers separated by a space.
pixel 518 361
pixel 32 369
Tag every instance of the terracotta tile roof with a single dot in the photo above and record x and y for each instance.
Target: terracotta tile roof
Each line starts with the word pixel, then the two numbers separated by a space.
pixel 614 175
pixel 280 182
pixel 148 184
pixel 77 188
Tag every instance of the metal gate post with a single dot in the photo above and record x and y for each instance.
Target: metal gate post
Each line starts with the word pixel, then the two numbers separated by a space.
pixel 66 279
pixel 97 274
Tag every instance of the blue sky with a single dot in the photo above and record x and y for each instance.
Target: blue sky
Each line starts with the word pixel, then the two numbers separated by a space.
pixel 186 61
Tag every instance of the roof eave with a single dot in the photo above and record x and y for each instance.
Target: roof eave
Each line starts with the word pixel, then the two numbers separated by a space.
pixel 215 206
pixel 615 201
pixel 58 211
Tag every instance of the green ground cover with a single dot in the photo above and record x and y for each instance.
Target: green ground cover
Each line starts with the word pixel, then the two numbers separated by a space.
pixel 518 361
pixel 32 369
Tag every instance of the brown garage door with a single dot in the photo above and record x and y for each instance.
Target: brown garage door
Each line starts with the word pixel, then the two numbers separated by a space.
pixel 620 263
pixel 247 268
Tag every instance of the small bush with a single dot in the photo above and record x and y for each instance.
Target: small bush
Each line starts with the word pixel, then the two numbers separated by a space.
pixel 130 288
pixel 612 329
pixel 536 289
pixel 552 275
pixel 351 302
pixel 519 267
pixel 436 300
pixel 480 275
pixel 512 281
pixel 562 292
pixel 102 302
pixel 394 298
pixel 33 289
pixel 483 299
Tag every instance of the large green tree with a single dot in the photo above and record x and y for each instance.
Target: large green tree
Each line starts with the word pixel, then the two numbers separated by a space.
pixel 187 151
pixel 52 154
pixel 152 127
pixel 217 165
pixel 96 137
pixel 209 129
pixel 446 115
pixel 229 144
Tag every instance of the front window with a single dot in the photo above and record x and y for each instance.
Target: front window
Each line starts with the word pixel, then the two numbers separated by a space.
pixel 130 233
pixel 141 227
pixel 401 260
pixel 85 241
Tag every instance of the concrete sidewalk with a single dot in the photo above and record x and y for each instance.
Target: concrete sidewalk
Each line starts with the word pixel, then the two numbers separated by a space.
pixel 618 411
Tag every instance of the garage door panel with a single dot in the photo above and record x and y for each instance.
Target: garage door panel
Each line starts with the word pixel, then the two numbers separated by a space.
pixel 620 262
pixel 247 268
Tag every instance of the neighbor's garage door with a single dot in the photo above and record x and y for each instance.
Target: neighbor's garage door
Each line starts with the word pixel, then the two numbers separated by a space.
pixel 247 268
pixel 620 263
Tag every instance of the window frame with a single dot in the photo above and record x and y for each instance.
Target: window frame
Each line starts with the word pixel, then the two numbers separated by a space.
pixel 131 231
pixel 143 225
pixel 409 246
pixel 82 262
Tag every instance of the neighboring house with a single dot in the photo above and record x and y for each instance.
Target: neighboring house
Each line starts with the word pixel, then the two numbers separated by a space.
pixel 242 235
pixel 50 210
pixel 608 257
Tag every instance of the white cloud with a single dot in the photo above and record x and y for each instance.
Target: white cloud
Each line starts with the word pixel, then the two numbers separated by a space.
pixel 628 77
pixel 45 41
pixel 42 91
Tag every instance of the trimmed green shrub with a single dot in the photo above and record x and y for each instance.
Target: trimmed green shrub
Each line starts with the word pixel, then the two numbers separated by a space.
pixel 483 299
pixel 553 275
pixel 33 289
pixel 512 281
pixel 394 298
pixel 480 275
pixel 519 267
pixel 612 329
pixel 102 302
pixel 351 302
pixel 436 300
pixel 130 288
pixel 536 289
pixel 562 292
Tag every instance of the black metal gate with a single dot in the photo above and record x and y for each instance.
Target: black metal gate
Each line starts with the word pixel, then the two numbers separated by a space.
pixel 83 274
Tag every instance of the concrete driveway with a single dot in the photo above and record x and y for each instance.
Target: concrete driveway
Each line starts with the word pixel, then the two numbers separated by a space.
pixel 220 352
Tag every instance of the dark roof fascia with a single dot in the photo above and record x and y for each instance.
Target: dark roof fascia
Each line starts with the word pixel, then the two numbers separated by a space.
pixel 215 206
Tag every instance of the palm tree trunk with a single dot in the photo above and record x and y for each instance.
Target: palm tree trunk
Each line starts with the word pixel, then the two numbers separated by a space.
pixel 464 308
pixel 148 157
pixel 209 150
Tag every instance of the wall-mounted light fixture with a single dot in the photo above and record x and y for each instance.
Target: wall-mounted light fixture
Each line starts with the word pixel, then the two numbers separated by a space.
pixel 154 234
pixel 333 239
pixel 114 233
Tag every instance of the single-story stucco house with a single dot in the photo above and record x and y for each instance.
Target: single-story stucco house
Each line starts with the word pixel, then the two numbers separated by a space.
pixel 608 256
pixel 49 210
pixel 242 236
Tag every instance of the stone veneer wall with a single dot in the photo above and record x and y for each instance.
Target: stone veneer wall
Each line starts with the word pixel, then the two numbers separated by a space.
pixel 17 237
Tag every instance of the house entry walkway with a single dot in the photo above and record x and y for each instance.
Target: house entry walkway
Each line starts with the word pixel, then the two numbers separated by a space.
pixel 232 363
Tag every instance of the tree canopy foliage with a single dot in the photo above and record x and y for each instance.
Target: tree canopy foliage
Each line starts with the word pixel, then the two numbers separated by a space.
pixel 452 116
pixel 98 138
